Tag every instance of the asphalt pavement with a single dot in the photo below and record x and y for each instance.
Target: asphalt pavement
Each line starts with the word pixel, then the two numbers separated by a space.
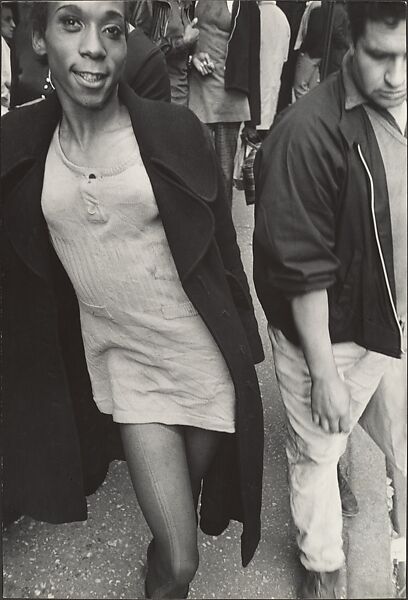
pixel 104 557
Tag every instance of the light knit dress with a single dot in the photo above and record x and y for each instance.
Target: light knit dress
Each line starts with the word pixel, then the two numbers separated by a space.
pixel 150 357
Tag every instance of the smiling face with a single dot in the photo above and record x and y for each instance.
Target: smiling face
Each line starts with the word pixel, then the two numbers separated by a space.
pixel 85 44
pixel 380 62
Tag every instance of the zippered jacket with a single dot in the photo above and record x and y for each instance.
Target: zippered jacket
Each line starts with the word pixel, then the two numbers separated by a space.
pixel 323 221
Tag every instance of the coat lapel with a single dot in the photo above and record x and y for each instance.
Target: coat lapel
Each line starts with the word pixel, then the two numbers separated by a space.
pixel 24 220
pixel 182 174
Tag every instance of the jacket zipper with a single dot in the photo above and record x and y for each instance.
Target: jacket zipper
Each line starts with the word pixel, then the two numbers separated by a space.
pixel 377 239
pixel 232 31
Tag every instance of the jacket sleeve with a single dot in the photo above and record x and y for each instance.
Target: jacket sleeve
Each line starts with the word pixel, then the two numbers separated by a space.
pixel 226 239
pixel 298 175
pixel 170 45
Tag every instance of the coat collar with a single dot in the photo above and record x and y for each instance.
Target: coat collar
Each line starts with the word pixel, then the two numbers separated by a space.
pixel 158 130
pixel 181 168
pixel 156 126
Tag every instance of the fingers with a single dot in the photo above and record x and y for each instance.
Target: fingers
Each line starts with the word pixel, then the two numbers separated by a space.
pixel 316 418
pixel 345 424
pixel 199 66
pixel 325 425
pixel 331 424
pixel 194 22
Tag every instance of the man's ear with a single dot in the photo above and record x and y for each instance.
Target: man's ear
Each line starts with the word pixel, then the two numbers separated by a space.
pixel 38 44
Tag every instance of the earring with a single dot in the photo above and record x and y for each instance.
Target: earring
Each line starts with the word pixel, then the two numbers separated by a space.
pixel 49 80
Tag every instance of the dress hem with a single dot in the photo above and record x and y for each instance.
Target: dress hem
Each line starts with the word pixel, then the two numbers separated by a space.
pixel 124 417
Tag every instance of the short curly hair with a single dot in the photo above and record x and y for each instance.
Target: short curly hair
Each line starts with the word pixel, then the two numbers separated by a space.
pixel 39 15
pixel 390 12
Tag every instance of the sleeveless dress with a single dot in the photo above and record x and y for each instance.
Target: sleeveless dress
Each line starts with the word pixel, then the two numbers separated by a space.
pixel 208 98
pixel 150 357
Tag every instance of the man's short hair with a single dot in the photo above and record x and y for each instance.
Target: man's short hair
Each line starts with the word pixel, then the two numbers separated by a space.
pixel 390 12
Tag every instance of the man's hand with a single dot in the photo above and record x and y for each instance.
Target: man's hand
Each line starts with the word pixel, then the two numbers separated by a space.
pixel 251 134
pixel 330 398
pixel 191 34
pixel 203 63
pixel 331 404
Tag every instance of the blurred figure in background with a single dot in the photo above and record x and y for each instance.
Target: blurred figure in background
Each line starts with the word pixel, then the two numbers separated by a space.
pixel 224 83
pixel 170 25
pixel 293 12
pixel 175 32
pixel 141 12
pixel 341 38
pixel 8 26
pixel 274 49
pixel 30 74
pixel 310 42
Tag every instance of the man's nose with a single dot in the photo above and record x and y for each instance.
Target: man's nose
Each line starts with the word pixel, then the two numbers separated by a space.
pixel 396 75
pixel 91 44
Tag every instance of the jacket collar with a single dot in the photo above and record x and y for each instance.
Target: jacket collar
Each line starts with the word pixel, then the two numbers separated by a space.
pixel 352 115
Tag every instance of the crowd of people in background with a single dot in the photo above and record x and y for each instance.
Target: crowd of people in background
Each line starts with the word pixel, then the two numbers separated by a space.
pixel 234 64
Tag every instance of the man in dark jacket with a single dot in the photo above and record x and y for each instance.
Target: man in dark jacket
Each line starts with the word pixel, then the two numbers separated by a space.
pixel 330 270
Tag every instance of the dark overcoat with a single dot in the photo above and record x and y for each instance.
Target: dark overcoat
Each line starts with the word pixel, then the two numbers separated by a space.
pixel 57 446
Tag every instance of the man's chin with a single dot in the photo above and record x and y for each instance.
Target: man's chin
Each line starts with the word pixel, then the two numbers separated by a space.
pixel 389 101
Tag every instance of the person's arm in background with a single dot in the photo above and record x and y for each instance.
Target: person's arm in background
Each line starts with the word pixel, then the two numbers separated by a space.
pixel 184 42
pixel 172 44
pixel 306 74
pixel 146 70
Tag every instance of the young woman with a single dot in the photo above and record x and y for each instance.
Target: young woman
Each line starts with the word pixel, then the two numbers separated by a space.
pixel 122 271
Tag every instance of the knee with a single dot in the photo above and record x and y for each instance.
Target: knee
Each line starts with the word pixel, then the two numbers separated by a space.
pixel 184 569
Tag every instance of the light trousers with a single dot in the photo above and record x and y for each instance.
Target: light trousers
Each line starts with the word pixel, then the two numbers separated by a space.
pixel 312 453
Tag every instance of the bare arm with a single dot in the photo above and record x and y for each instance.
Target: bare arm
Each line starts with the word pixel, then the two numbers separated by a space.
pixel 330 397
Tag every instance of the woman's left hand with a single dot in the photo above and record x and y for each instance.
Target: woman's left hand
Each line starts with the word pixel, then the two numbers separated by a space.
pixel 203 63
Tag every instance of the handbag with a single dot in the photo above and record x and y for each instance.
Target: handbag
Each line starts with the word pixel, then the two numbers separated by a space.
pixel 248 171
pixel 243 176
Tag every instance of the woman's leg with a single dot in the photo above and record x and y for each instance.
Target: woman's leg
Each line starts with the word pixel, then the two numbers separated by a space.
pixel 157 462
pixel 201 447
